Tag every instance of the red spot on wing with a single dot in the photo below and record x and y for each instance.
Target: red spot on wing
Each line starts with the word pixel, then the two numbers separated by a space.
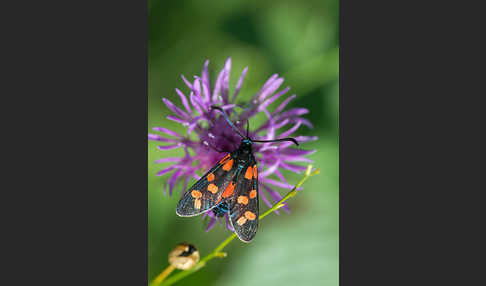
pixel 229 190
pixel 196 194
pixel 243 200
pixel 210 177
pixel 249 215
pixel 228 165
pixel 213 188
pixel 249 173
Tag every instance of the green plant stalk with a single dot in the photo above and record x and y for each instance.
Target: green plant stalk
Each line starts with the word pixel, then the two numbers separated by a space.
pixel 217 251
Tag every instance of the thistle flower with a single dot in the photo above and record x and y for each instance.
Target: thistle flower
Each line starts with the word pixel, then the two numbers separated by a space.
pixel 213 133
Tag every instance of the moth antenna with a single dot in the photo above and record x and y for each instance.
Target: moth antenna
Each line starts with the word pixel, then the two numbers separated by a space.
pixel 247 128
pixel 279 140
pixel 228 120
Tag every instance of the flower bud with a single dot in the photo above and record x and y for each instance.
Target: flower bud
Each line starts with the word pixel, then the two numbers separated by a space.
pixel 184 256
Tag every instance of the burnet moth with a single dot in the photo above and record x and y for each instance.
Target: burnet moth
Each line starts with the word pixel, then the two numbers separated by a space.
pixel 230 186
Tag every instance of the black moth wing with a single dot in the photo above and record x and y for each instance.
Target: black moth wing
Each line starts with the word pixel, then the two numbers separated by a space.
pixel 243 209
pixel 206 193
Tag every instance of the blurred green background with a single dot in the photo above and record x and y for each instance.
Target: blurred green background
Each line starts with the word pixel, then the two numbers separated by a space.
pixel 299 41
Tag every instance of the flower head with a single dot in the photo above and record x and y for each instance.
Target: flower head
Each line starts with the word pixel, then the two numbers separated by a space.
pixel 214 133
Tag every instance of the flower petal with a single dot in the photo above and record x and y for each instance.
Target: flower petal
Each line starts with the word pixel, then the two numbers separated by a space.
pixel 174 108
pixel 159 138
pixel 239 84
pixel 283 104
pixel 282 178
pixel 261 193
pixel 306 138
pixel 184 101
pixel 217 85
pixel 301 120
pixel 269 81
pixel 293 112
pixel 169 147
pixel 266 91
pixel 290 131
pixel 196 103
pixel 228 106
pixel 167 131
pixel 225 81
pixel 197 87
pixel 297 152
pixel 188 83
pixel 178 120
pixel 169 159
pixel 212 222
pixel 166 170
pixel 191 127
pixel 270 134
pixel 270 170
pixel 276 126
pixel 272 99
pixel 292 167
pixel 183 165
pixel 276 183
pixel 289 158
pixel 205 82
pixel 204 102
pixel 268 147
pixel 173 180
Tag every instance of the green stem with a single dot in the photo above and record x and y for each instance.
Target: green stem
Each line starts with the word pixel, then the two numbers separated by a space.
pixel 217 251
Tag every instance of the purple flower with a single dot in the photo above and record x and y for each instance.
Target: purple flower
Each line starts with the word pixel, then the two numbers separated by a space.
pixel 213 132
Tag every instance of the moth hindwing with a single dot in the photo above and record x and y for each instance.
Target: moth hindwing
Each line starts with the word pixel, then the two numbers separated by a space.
pixel 206 193
pixel 243 210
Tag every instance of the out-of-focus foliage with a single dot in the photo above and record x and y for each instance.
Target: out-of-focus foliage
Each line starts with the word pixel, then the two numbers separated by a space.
pixel 298 40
